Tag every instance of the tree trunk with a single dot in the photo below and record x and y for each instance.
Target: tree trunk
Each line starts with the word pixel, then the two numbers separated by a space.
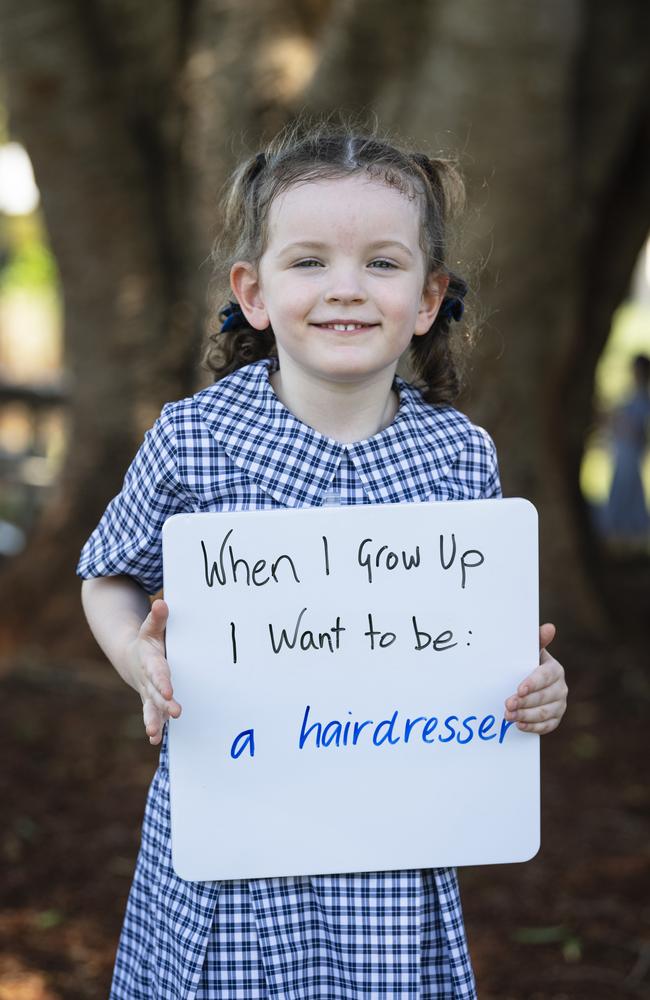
pixel 94 97
pixel 556 140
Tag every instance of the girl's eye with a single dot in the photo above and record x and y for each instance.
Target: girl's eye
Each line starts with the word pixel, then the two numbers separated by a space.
pixel 308 262
pixel 383 264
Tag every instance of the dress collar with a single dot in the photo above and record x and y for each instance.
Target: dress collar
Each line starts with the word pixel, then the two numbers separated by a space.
pixel 295 464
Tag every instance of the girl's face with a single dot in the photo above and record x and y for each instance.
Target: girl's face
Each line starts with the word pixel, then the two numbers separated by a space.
pixel 342 280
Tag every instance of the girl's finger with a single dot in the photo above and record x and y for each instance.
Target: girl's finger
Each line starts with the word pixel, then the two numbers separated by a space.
pixel 153 722
pixel 167 707
pixel 158 673
pixel 542 713
pixel 152 694
pixel 540 728
pixel 546 634
pixel 529 688
pixel 554 692
pixel 548 672
pixel 154 625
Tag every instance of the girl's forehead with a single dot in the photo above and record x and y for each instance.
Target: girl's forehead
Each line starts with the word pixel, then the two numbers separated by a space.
pixel 354 205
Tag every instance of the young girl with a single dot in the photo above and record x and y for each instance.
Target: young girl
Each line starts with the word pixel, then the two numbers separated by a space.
pixel 338 266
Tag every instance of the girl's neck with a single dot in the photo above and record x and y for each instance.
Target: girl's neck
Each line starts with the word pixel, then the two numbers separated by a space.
pixel 343 411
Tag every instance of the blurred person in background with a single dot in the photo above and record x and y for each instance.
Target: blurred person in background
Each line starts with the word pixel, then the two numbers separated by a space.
pixel 626 518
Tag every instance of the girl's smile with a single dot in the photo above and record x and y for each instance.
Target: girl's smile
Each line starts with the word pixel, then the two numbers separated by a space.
pixel 343 326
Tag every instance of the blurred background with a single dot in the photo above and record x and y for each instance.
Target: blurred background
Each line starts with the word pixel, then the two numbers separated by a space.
pixel 119 121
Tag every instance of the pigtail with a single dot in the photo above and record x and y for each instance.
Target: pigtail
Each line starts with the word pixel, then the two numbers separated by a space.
pixel 235 342
pixel 226 353
pixel 435 358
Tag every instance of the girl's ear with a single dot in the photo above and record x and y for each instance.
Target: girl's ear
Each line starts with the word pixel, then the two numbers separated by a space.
pixel 244 282
pixel 432 296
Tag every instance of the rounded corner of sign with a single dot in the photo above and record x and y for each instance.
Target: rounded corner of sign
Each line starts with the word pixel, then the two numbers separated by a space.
pixel 182 871
pixel 173 520
pixel 532 850
pixel 528 506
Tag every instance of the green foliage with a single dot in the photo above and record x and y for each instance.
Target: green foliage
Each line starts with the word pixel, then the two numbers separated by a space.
pixel 571 946
pixel 48 919
pixel 539 935
pixel 31 269
pixel 31 265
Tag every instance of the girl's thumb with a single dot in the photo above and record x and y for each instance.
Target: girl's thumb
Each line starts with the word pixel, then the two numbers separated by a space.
pixel 546 635
pixel 156 620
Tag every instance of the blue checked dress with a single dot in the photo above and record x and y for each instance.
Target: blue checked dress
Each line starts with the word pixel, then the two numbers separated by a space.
pixel 234 446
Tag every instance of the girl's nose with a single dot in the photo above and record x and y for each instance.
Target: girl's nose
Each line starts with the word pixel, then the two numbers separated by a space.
pixel 345 286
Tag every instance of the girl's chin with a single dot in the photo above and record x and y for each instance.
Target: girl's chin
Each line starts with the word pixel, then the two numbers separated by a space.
pixel 344 365
pixel 348 372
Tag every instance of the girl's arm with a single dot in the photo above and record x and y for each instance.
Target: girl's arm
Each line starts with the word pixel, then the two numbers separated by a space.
pixel 132 635
pixel 540 701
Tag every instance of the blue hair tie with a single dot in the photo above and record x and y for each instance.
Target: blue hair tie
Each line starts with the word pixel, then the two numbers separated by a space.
pixel 232 318
pixel 452 308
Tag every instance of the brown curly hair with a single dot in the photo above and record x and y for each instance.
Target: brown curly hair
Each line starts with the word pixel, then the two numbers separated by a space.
pixel 323 149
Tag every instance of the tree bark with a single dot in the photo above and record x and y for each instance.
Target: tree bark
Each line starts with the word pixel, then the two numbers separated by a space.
pixel 94 97
pixel 557 161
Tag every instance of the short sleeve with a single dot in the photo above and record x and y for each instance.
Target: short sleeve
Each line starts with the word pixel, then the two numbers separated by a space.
pixel 492 485
pixel 480 456
pixel 128 539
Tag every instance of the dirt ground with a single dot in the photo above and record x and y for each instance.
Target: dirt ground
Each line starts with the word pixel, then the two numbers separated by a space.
pixel 573 923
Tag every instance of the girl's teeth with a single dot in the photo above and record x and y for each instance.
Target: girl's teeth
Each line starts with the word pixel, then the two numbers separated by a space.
pixel 345 326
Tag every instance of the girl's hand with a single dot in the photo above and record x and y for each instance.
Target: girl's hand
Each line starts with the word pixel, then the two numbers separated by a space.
pixel 540 701
pixel 151 672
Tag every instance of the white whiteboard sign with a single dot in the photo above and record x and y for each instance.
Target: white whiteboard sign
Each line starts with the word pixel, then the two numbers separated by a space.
pixel 342 672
